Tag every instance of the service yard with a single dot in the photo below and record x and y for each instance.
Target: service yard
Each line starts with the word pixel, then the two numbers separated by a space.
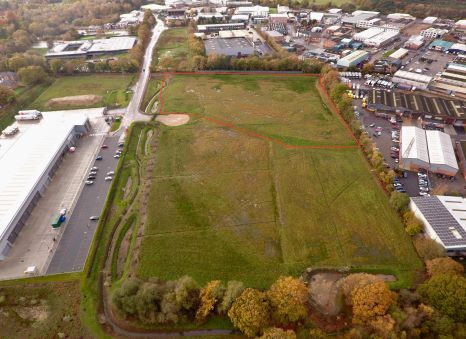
pixel 85 91
pixel 262 181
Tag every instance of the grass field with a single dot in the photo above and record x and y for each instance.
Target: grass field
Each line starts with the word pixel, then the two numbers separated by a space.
pixel 226 205
pixel 112 88
pixel 172 51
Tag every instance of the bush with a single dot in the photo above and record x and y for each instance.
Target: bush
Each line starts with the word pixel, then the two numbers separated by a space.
pixel 443 265
pixel 352 281
pixel 232 291
pixel 399 201
pixel 371 301
pixel 278 333
pixel 447 293
pixel 250 313
pixel 428 248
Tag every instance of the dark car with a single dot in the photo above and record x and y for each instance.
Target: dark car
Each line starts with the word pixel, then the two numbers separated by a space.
pixel 99 157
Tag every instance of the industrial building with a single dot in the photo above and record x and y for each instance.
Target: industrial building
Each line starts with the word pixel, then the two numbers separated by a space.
pixel 453 79
pixel 357 16
pixel 414 154
pixel 444 219
pixel 235 47
pixel 413 79
pixel 353 59
pixel 376 36
pixel 90 48
pixel 399 53
pixel 433 33
pixel 414 42
pixel 254 11
pixel 429 150
pixel 28 160
pixel 215 28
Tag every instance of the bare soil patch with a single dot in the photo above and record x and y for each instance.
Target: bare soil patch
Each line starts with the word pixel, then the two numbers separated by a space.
pixel 35 313
pixel 173 119
pixel 75 100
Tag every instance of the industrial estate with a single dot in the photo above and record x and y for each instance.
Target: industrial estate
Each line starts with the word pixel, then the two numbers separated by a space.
pixel 232 169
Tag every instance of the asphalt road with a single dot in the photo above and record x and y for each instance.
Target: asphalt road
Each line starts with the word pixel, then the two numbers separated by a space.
pixel 132 111
pixel 73 248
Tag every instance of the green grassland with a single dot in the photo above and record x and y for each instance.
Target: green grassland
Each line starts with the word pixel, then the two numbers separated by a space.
pixel 226 205
pixel 172 47
pixel 284 108
pixel 112 88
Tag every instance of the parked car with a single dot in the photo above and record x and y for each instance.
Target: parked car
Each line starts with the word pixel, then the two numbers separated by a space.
pixel 110 173
pixel 94 169
pixel 99 157
pixel 93 173
pixel 91 177
pixel 371 125
pixel 104 146
pixel 88 182
pixel 108 178
pixel 116 156
pixel 94 217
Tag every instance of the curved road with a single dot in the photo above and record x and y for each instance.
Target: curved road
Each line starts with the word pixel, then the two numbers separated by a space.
pixel 132 111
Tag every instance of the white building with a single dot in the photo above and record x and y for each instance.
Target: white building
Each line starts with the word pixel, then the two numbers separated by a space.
pixel 28 161
pixel 317 16
pixel 429 150
pixel 433 33
pixel 400 16
pixel 414 153
pixel 368 23
pixel 382 39
pixel 399 53
pixel 254 11
pixel 444 220
pixel 414 42
pixel 353 59
pixel 430 20
pixel 441 153
pixel 420 81
pixel 460 25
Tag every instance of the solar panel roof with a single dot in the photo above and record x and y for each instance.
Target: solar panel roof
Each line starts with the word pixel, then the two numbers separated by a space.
pixel 447 228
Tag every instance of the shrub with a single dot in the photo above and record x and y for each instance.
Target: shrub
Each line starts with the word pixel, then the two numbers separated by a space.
pixel 371 301
pixel 443 265
pixel 428 248
pixel 352 281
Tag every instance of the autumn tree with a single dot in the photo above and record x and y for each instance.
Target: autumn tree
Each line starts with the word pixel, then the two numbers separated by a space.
pixel 7 96
pixel 209 296
pixel 447 293
pixel 413 225
pixel 32 75
pixel 443 265
pixel 250 312
pixel 288 298
pixel 278 333
pixel 399 201
pixel 232 291
pixel 371 301
pixel 355 280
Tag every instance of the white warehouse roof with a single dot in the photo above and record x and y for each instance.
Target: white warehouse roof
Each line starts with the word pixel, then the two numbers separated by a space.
pixel 441 150
pixel 413 76
pixel 26 156
pixel 414 144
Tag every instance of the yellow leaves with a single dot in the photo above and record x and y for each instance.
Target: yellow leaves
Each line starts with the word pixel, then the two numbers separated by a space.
pixel 370 301
pixel 288 297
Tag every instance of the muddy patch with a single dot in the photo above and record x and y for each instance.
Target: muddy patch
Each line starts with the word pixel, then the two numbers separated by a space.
pixel 173 119
pixel 75 100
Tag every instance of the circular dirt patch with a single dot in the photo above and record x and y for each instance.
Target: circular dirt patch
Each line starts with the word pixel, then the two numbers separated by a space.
pixel 173 119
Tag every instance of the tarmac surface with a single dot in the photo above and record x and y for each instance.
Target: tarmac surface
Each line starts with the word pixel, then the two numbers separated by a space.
pixel 73 248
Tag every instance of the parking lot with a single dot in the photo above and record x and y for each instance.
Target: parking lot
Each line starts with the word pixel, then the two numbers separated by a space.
pixel 73 248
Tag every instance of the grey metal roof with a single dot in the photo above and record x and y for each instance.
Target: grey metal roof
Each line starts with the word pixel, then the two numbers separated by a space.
pixel 450 232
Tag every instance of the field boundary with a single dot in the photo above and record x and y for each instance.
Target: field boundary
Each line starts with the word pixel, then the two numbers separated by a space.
pixel 246 131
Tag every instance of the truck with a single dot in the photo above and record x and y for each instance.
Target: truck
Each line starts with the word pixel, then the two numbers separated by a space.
pixel 58 220
pixel 30 112
pixel 25 117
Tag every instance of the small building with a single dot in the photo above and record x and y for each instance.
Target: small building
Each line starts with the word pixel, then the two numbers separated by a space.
pixel 276 36
pixel 335 10
pixel 420 81
pixel 414 42
pixel 444 220
pixel 440 45
pixel 460 25
pixel 399 53
pixel 368 23
pixel 400 16
pixel 430 20
pixel 433 33
pixel 278 19
pixel 457 49
pixel 254 11
pixel 239 18
pixel 353 59
pixel 441 153
pixel 316 16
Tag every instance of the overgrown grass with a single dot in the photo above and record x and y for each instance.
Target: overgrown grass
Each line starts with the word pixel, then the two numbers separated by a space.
pixel 152 89
pixel 230 206
pixel 173 48
pixel 115 125
pixel 113 90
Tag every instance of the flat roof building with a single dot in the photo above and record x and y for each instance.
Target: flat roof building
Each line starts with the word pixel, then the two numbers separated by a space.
pixel 353 59
pixel 444 220
pixel 441 153
pixel 399 53
pixel 214 28
pixel 420 81
pixel 235 47
pixel 28 160
pixel 89 48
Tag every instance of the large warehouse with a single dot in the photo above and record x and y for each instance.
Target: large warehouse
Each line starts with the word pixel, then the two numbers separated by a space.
pixel 444 220
pixel 28 160
pixel 429 150
pixel 353 59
